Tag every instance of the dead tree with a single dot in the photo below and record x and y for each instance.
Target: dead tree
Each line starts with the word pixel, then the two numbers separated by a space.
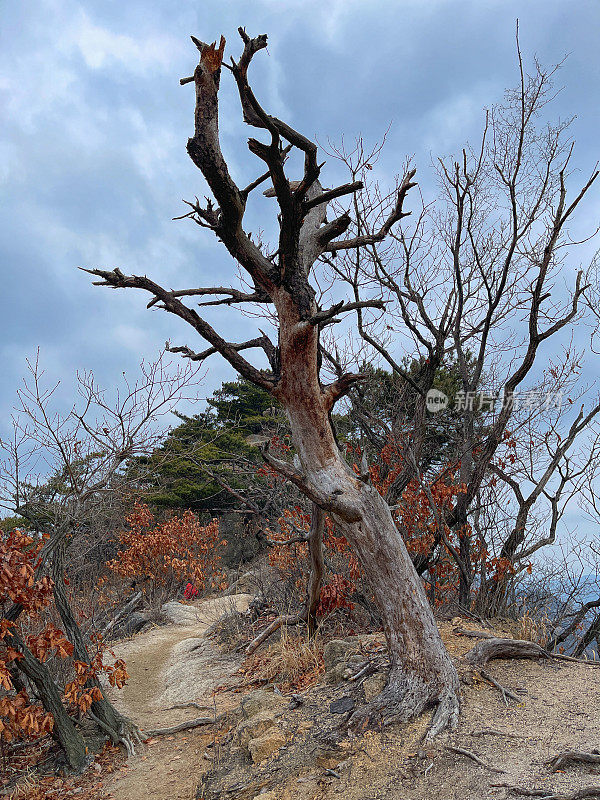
pixel 422 674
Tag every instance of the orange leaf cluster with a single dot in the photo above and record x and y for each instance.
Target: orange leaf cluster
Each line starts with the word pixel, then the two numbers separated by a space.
pixel 170 552
pixel 19 557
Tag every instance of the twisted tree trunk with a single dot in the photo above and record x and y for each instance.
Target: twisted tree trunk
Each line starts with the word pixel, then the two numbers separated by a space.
pixel 64 730
pixel 119 728
pixel 422 674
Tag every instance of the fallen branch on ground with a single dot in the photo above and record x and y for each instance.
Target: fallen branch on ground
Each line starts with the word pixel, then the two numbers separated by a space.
pixel 462 752
pixel 290 619
pixel 184 726
pixel 131 605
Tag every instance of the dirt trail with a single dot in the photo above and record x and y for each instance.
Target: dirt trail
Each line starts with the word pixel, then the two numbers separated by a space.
pixel 169 665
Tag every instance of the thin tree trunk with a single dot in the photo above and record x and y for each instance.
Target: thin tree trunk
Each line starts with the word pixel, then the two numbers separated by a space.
pixel 103 710
pixel 315 582
pixel 317 567
pixel 64 730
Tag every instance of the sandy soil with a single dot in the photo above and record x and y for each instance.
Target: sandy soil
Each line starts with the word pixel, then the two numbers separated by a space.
pixel 169 665
pixel 176 663
pixel 560 711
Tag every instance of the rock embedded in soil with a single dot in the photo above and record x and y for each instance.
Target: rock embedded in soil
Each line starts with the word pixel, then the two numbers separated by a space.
pixel 260 701
pixel 342 705
pixel 337 650
pixel 264 746
pixel 254 727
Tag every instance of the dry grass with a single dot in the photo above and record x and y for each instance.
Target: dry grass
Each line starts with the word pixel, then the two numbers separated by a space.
pixel 28 791
pixel 533 628
pixel 292 662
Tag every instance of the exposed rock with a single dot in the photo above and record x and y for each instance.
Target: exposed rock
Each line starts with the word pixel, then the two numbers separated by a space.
pixel 253 728
pixel 343 669
pixel 336 673
pixel 373 685
pixel 342 705
pixel 180 613
pixel 208 611
pixel 196 666
pixel 337 650
pixel 260 701
pixel 264 746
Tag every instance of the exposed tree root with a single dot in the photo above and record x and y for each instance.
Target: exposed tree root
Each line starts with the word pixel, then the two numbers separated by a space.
pixel 127 734
pixel 589 793
pixel 494 732
pixel 586 661
pixel 473 634
pixel 506 693
pixel 504 648
pixel 516 648
pixel 183 726
pixel 572 758
pixel 462 752
pixel 405 698
pixel 189 705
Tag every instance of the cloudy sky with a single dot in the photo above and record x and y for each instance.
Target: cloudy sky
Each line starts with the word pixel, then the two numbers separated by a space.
pixel 92 151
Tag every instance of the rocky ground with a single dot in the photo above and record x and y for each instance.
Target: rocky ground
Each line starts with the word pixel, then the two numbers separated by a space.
pixel 269 745
pixel 298 749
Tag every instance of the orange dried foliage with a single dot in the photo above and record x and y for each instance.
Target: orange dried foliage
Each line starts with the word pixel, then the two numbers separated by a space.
pixel 170 552
pixel 19 556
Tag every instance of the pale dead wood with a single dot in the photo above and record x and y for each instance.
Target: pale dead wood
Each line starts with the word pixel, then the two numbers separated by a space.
pixel 505 648
pixel 517 648
pixel 131 605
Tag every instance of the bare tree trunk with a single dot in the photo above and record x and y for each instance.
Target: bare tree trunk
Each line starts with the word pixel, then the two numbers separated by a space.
pixel 111 721
pixel 64 730
pixel 422 674
pixel 317 567
pixel 315 582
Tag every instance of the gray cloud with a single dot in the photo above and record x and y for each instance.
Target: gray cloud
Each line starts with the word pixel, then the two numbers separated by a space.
pixel 92 155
